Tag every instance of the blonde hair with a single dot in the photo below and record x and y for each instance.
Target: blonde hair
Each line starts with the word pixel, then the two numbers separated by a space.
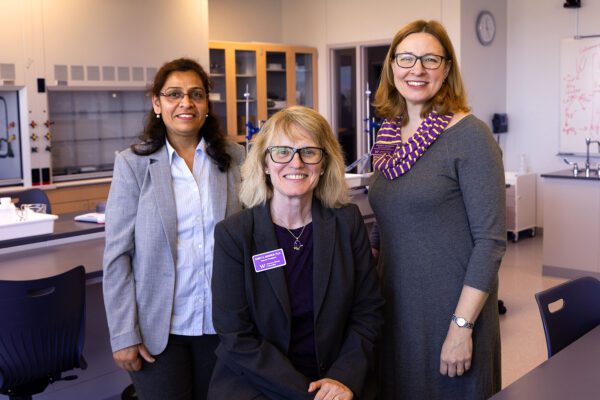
pixel 451 97
pixel 256 187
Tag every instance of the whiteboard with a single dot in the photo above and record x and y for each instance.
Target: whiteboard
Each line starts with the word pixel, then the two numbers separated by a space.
pixel 579 93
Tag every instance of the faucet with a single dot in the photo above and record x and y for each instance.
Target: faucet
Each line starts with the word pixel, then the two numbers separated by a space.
pixel 589 141
pixel 574 165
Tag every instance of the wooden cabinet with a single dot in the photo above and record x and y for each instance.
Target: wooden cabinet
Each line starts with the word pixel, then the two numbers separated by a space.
pixel 80 198
pixel 520 203
pixel 270 76
pixel 571 227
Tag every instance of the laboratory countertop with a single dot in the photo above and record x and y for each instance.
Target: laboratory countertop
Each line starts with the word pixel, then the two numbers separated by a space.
pixel 65 227
pixel 72 243
pixel 568 174
pixel 55 185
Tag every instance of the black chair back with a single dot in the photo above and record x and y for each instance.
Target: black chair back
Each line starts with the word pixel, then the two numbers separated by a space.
pixel 42 330
pixel 580 312
pixel 31 196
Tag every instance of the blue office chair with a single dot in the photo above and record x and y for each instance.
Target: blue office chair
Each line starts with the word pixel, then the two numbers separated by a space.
pixel 31 196
pixel 579 314
pixel 42 330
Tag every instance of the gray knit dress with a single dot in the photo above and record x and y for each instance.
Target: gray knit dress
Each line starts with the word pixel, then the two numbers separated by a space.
pixel 442 226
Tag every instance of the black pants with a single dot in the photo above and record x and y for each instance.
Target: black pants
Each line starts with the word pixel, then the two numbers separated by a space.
pixel 181 372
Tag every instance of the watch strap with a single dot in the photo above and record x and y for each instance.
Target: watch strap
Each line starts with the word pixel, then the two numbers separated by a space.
pixel 461 322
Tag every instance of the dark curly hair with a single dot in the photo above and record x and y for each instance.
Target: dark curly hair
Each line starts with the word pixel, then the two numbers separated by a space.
pixel 155 132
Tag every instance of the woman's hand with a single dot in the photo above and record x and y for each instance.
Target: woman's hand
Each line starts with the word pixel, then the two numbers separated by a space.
pixel 130 358
pixel 457 351
pixel 330 389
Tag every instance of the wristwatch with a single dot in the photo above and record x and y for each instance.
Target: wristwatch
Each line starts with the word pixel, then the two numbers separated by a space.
pixel 461 322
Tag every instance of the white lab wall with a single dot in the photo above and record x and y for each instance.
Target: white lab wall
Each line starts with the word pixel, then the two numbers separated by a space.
pixel 12 39
pixel 324 23
pixel 36 35
pixel 123 33
pixel 245 21
pixel 535 31
pixel 483 68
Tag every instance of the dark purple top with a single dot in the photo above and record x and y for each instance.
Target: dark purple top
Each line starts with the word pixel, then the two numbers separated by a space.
pixel 299 277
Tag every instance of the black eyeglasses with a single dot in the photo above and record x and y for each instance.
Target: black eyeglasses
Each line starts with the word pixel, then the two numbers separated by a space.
pixel 428 61
pixel 285 154
pixel 175 95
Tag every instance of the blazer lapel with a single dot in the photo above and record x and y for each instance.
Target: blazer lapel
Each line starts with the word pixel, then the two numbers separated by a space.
pixel 217 190
pixel 265 240
pixel 162 185
pixel 323 245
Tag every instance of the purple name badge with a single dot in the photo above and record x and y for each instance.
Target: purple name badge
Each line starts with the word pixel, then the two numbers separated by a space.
pixel 382 148
pixel 269 260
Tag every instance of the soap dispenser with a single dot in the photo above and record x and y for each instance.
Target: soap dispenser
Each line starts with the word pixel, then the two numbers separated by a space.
pixel 8 212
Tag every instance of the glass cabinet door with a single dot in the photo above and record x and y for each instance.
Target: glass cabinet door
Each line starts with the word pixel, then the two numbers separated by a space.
pixel 304 79
pixel 276 82
pixel 90 126
pixel 245 79
pixel 218 94
pixel 10 139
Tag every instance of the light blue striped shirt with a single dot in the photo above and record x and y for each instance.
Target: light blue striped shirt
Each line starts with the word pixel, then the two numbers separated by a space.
pixel 192 307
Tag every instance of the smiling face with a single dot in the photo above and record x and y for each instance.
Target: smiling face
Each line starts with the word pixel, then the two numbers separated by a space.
pixel 418 85
pixel 183 118
pixel 294 180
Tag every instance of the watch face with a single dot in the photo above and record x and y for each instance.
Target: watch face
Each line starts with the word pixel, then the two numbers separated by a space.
pixel 461 321
pixel 486 28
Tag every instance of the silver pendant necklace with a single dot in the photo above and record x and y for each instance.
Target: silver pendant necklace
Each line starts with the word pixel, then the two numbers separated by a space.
pixel 297 243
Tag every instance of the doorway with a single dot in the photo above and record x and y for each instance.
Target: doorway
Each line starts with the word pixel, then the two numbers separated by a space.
pixel 344 101
pixel 354 70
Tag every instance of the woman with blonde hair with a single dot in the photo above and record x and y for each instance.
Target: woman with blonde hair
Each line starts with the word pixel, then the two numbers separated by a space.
pixel 438 195
pixel 295 298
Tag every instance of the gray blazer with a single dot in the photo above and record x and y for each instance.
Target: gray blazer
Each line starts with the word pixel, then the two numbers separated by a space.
pixel 141 243
pixel 252 314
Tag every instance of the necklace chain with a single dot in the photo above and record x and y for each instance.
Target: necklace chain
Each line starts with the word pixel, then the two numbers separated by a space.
pixel 297 243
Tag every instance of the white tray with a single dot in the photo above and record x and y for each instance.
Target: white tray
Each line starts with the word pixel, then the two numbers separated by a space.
pixel 35 224
pixel 358 180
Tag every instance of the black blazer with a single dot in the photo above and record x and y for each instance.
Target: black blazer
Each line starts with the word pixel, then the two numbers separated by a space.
pixel 251 311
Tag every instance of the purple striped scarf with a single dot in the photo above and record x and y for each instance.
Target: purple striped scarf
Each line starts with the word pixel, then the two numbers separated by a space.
pixel 394 162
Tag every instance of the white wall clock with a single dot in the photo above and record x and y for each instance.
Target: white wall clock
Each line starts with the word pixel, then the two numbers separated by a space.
pixel 485 28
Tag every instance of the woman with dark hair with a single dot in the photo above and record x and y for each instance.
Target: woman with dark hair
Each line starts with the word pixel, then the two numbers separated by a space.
pixel 438 195
pixel 167 194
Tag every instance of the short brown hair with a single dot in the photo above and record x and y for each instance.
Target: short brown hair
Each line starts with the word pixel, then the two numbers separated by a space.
pixel 451 97
pixel 256 186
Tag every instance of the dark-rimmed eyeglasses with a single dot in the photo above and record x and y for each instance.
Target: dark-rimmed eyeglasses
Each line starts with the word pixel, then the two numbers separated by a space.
pixel 428 61
pixel 285 154
pixel 196 95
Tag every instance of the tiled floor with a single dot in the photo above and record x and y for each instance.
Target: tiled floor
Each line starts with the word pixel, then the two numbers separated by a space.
pixel 523 342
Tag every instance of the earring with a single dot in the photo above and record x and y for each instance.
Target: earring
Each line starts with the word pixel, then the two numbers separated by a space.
pixel 267 171
pixel 158 116
pixel 206 115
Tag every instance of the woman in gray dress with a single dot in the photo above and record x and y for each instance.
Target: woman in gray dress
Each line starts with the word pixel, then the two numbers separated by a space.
pixel 438 196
